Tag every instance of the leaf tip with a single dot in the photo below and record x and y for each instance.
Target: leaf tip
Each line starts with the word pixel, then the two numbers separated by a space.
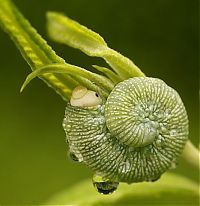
pixel 23 86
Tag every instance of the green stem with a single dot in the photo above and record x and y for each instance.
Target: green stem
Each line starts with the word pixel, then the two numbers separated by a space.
pixel 191 155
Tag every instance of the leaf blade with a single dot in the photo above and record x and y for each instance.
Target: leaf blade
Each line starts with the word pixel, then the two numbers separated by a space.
pixel 102 82
pixel 33 47
pixel 172 188
pixel 65 30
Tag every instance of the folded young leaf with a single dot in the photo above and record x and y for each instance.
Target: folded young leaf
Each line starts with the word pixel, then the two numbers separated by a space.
pixel 102 82
pixel 64 30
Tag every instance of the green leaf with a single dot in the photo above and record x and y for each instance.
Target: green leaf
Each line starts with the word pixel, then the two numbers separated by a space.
pixel 99 80
pixel 169 190
pixel 110 74
pixel 33 47
pixel 64 30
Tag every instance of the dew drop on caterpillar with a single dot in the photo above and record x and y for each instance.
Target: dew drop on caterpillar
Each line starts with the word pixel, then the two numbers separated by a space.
pixel 136 135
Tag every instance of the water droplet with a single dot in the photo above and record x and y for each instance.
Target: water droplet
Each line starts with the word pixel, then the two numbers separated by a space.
pixel 160 116
pixel 125 167
pixel 151 117
pixel 159 142
pixel 104 186
pixel 74 150
pixel 151 106
pixel 73 157
pixel 149 134
pixel 163 130
pixel 173 132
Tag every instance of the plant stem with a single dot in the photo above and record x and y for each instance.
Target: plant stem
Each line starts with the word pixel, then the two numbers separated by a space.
pixel 191 155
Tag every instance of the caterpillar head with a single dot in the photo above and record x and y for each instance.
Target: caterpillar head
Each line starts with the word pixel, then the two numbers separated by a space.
pixel 135 136
pixel 82 97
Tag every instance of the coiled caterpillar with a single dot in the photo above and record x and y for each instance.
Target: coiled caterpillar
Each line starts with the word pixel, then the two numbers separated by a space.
pixel 135 136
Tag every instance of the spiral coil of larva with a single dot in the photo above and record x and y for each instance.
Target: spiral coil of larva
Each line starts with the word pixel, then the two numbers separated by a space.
pixel 136 136
pixel 140 108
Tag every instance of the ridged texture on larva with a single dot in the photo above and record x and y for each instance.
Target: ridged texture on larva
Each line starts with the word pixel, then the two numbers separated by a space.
pixel 108 152
pixel 142 110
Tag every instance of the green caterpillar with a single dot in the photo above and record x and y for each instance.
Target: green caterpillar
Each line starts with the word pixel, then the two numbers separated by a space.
pixel 135 135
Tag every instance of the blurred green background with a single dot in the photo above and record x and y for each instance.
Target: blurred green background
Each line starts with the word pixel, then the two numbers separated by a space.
pixel 160 36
